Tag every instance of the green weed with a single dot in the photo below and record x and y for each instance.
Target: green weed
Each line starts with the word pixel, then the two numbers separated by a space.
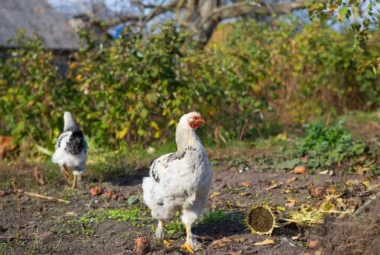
pixel 132 214
pixel 91 219
pixel 323 145
pixel 174 226
pixel 214 216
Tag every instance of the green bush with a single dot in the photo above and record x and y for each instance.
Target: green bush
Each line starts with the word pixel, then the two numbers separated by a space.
pixel 134 90
pixel 327 144
pixel 302 71
pixel 32 93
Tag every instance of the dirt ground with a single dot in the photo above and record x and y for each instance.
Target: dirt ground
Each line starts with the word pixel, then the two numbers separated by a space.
pixel 39 226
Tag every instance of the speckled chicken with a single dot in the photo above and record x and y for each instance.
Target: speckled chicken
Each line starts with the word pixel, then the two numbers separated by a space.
pixel 70 149
pixel 180 181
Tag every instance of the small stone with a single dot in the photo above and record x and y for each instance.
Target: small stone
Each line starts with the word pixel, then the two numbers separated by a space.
pixel 96 191
pixel 300 170
pixel 142 245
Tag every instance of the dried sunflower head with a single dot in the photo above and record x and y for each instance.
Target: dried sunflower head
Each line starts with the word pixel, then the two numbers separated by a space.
pixel 261 220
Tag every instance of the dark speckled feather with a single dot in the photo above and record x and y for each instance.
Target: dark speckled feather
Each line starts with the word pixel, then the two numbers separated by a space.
pixel 76 143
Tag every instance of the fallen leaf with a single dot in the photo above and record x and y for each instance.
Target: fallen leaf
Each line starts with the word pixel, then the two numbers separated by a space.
pixel 221 243
pixel 291 203
pixel 331 190
pixel 132 199
pixel 245 194
pixel 216 202
pixel 238 239
pixel 214 194
pixel 327 207
pixel 235 253
pixel 362 158
pixel 316 191
pixel 45 234
pixel 295 237
pixel 362 170
pixel 206 238
pixel 274 186
pixel 267 241
pixel 72 214
pixel 319 252
pixel 232 203
pixel 291 179
pixel 245 184
pixel 168 243
pixel 286 191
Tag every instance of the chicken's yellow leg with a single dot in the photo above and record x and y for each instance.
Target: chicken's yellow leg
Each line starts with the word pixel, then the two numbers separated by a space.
pixel 74 182
pixel 187 245
pixel 66 174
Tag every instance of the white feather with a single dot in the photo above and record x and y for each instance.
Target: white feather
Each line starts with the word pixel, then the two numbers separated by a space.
pixel 62 155
pixel 183 183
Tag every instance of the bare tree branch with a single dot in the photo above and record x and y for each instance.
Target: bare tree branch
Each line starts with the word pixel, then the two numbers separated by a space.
pixel 199 16
pixel 160 9
pixel 241 9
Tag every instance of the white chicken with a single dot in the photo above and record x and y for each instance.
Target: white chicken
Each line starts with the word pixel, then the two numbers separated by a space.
pixel 70 149
pixel 180 181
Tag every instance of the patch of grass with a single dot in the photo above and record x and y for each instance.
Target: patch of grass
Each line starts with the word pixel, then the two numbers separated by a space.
pixel 132 214
pixel 6 184
pixel 174 226
pixel 5 245
pixel 91 219
pixel 333 139
pixel 324 146
pixel 214 216
pixel 53 173
pixel 87 224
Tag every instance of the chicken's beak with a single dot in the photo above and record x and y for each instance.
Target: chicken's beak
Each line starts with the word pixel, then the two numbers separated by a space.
pixel 201 120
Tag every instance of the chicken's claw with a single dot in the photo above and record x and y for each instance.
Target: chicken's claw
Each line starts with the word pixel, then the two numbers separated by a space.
pixel 187 247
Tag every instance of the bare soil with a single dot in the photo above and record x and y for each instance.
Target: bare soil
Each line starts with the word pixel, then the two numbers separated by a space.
pixel 39 226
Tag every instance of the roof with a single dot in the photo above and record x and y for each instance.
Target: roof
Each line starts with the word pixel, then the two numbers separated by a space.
pixel 36 16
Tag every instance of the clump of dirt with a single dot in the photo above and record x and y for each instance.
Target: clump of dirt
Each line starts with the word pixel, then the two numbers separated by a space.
pixel 352 235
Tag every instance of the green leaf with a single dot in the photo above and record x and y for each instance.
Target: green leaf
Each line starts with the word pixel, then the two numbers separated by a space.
pixel 342 13
pixel 132 199
pixel 317 7
pixel 122 133
pixel 144 113
pixel 289 164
